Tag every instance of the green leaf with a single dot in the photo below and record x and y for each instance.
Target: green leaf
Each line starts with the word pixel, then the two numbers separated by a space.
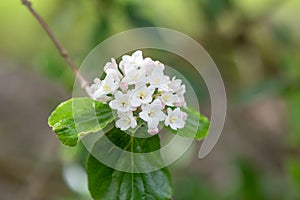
pixel 196 125
pixel 79 116
pixel 108 183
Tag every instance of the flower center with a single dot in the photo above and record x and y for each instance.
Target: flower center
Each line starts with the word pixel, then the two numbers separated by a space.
pixel 172 119
pixel 151 114
pixel 156 80
pixel 141 95
pixel 106 87
pixel 127 121
pixel 134 77
pixel 166 98
pixel 123 104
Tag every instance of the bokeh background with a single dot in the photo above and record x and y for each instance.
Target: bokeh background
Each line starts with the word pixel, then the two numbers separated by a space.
pixel 255 44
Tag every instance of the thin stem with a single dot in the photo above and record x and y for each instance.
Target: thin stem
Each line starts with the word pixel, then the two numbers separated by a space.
pixel 63 52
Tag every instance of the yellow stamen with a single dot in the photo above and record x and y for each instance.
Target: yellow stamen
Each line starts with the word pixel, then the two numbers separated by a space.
pixel 166 98
pixel 172 119
pixel 141 94
pixel 106 87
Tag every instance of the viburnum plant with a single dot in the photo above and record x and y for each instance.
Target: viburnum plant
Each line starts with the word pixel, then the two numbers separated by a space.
pixel 135 96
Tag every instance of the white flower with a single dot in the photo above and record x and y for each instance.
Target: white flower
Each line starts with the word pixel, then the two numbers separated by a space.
pixel 126 120
pixel 129 63
pixel 107 86
pixel 168 98
pixel 97 87
pixel 121 102
pixel 94 87
pixel 157 79
pixel 176 86
pixel 111 68
pixel 141 95
pixel 178 89
pixel 136 76
pixel 180 100
pixel 150 65
pixel 175 119
pixel 152 114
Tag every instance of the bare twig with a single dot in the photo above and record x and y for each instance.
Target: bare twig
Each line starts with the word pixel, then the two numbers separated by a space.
pixel 63 52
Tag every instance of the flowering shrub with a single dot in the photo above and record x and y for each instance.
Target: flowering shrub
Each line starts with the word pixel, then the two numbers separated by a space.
pixel 139 89
pixel 137 96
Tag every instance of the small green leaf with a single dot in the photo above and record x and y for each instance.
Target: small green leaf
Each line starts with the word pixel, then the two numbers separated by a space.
pixel 79 116
pixel 196 125
pixel 108 183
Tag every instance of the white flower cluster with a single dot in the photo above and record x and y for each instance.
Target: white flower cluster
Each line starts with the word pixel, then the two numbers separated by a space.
pixel 139 89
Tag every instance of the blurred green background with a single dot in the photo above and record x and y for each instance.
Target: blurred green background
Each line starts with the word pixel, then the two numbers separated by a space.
pixel 255 44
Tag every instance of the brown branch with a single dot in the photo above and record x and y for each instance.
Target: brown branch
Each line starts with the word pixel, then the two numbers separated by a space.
pixel 63 52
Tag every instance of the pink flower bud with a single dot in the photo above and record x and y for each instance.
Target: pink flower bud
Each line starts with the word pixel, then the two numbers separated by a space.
pixel 124 86
pixel 153 131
